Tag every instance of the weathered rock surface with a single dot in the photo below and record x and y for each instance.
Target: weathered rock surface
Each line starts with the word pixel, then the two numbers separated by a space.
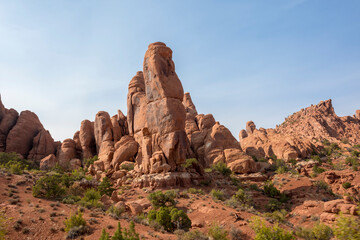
pixel 48 162
pixel 43 145
pixel 301 133
pixel 87 139
pixel 66 153
pixel 156 115
pixel 20 137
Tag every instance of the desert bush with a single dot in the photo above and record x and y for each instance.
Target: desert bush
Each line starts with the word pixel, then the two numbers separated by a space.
pixel 193 235
pixel 127 167
pixel 71 199
pixel 217 232
pixel 241 196
pixel 115 212
pixel 346 185
pixel 316 158
pixel 273 205
pixel 281 170
pixel 87 162
pixel 319 232
pixel 3 222
pixel 270 190
pixel 170 218
pixel 49 186
pixel 160 199
pixel 277 215
pixel 355 153
pixel 104 235
pixel 75 220
pixel 347 228
pixel 91 199
pixel 14 164
pixel 316 169
pixel 272 232
pixel 235 234
pixel 222 168
pixel 217 195
pixel 352 161
pixel 321 185
pixel 105 187
pixel 127 234
pixel 189 162
pixel 195 191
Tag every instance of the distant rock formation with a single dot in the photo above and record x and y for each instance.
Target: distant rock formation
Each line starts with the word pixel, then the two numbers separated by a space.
pixel 24 134
pixel 301 133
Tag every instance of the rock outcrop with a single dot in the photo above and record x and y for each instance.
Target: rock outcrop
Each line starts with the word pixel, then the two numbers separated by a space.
pixel 301 133
pixel 156 115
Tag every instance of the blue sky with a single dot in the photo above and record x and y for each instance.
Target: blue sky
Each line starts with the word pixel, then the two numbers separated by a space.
pixel 240 60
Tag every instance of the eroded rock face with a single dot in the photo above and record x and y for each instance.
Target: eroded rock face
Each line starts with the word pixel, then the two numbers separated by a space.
pixel 7 122
pixel 20 137
pixel 87 139
pixel 357 115
pixel 48 162
pixel 43 145
pixel 301 133
pixel 156 115
pixel 66 153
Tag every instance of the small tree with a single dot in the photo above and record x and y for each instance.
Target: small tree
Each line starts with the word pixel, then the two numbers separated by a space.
pixel 105 187
pixel 104 235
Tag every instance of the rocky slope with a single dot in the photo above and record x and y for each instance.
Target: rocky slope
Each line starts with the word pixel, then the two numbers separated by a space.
pixel 302 133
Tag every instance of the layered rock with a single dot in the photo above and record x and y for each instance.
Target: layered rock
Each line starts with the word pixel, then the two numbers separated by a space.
pixel 301 133
pixel 43 145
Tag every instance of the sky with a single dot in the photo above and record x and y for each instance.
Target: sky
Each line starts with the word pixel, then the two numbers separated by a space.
pixel 240 60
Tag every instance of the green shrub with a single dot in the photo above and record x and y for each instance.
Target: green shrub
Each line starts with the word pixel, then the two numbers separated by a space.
pixel 319 232
pixel 104 235
pixel 326 142
pixel 217 195
pixel 241 196
pixel 49 186
pixel 355 153
pixel 318 170
pixel 13 163
pixel 161 216
pixel 193 235
pixel 91 199
pixel 75 220
pixel 352 161
pixel 128 234
pixel 180 219
pixel 127 167
pixel 195 191
pixel 170 218
pixel 189 162
pixel 3 222
pixel 357 146
pixel 222 168
pixel 346 185
pixel 272 233
pixel 316 158
pixel 273 205
pixel 71 199
pixel 281 170
pixel 105 187
pixel 278 215
pixel 321 185
pixel 87 162
pixel 159 199
pixel 347 228
pixel 217 232
pixel 115 212
pixel 270 190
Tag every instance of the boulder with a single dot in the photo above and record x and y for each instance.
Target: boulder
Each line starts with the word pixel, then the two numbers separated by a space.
pixel 126 149
pixel 66 153
pixel 48 162
pixel 20 137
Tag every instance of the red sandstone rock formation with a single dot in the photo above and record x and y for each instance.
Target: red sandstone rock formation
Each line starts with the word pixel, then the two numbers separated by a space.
pixel 301 133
